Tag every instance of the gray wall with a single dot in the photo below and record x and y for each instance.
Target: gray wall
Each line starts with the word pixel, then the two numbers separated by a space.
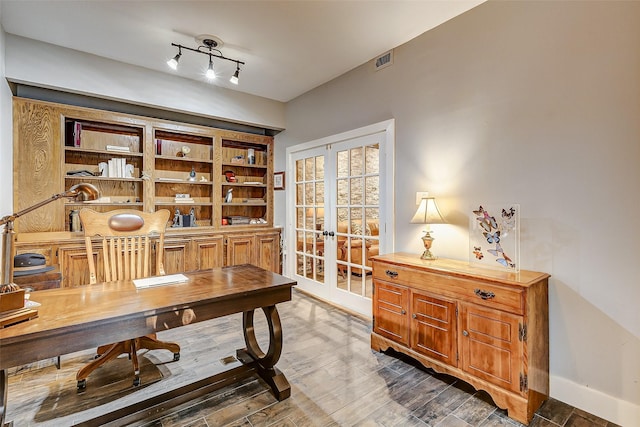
pixel 45 65
pixel 6 140
pixel 534 103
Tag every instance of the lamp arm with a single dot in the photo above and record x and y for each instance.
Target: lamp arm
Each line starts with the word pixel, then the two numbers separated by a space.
pixel 10 218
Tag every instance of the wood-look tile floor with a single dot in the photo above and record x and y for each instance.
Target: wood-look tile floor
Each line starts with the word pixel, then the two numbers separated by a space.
pixel 336 380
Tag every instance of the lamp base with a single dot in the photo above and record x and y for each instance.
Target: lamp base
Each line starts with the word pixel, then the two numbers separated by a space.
pixel 427 240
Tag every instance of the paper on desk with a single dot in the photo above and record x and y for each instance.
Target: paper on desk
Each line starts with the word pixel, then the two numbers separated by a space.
pixel 160 280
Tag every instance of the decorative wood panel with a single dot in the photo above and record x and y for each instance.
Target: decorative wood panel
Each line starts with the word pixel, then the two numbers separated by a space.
pixel 36 157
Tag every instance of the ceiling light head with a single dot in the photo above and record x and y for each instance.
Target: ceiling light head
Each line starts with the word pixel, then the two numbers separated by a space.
pixel 173 62
pixel 211 74
pixel 235 78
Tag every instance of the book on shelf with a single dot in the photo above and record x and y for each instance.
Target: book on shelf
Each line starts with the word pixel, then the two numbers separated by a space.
pixel 118 148
pixel 77 131
pixel 235 220
pixel 117 168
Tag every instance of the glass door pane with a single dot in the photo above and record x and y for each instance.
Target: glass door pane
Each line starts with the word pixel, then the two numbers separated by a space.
pixel 357 213
pixel 309 208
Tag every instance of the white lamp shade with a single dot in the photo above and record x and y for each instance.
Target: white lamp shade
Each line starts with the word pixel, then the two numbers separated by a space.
pixel 427 213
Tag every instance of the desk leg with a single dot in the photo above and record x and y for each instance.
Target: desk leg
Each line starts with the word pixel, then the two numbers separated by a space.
pixel 265 363
pixel 4 391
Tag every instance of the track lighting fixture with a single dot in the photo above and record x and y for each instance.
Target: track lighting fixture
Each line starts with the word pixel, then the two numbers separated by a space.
pixel 208 46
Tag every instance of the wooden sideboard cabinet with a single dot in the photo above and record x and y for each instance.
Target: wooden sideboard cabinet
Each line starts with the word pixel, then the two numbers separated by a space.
pixel 489 328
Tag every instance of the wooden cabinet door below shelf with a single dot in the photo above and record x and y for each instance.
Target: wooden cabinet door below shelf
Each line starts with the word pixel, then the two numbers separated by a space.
pixel 74 265
pixel 491 346
pixel 175 257
pixel 209 252
pixel 240 250
pixel 268 251
pixel 390 311
pixel 433 327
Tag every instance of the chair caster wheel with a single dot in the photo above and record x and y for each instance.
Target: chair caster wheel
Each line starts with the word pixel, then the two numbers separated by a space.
pixel 176 357
pixel 82 386
pixel 136 381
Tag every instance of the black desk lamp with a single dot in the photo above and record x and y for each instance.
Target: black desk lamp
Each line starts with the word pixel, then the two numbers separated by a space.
pixel 79 192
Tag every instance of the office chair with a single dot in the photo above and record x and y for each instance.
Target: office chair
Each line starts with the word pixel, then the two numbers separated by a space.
pixel 126 254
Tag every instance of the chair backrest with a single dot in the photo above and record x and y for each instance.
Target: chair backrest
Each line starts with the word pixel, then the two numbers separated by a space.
pixel 127 237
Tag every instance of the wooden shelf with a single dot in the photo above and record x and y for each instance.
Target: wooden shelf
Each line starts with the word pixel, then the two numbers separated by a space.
pixel 102 152
pixel 183 159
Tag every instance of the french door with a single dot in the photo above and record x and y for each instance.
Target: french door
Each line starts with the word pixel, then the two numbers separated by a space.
pixel 336 213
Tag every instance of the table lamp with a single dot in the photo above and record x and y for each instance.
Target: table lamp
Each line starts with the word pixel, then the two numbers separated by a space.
pixel 427 213
pixel 79 192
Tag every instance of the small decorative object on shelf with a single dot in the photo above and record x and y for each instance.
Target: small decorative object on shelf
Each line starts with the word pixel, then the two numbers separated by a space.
pixel 229 197
pixel 238 159
pixel 230 176
pixel 192 174
pixel 183 151
pixel 251 156
pixel 180 220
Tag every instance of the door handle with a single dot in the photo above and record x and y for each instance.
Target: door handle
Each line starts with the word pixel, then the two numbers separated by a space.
pixel 331 234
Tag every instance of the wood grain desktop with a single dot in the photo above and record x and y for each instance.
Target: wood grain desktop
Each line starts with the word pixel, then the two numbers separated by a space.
pixel 73 319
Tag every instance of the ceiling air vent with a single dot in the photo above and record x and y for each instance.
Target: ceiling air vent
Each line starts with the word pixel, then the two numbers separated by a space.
pixel 383 60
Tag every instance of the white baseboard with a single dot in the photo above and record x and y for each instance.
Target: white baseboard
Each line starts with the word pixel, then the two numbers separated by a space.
pixel 595 402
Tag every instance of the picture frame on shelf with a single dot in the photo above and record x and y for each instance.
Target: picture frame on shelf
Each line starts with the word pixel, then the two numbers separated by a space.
pixel 278 181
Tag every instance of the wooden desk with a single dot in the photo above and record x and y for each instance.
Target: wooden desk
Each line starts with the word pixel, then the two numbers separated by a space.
pixel 74 319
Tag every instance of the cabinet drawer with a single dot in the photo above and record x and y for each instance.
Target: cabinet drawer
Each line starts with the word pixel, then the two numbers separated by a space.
pixel 481 292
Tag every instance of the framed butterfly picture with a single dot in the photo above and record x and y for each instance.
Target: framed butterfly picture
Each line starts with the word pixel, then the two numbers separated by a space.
pixel 494 236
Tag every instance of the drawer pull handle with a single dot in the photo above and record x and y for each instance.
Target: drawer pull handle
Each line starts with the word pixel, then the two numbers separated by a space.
pixel 465 333
pixel 414 316
pixel 392 274
pixel 403 311
pixel 484 294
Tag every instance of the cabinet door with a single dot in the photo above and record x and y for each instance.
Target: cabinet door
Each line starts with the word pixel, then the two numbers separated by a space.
pixel 491 346
pixel 75 267
pixel 209 252
pixel 240 249
pixel 433 327
pixel 176 259
pixel 390 311
pixel 268 251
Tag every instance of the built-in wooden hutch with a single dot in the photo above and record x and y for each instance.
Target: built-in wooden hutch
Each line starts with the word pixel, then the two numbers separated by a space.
pixel 146 164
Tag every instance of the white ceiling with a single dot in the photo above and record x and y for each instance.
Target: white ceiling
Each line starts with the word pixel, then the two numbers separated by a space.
pixel 289 47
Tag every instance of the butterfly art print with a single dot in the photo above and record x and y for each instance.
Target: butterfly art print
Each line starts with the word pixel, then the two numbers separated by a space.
pixel 494 238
